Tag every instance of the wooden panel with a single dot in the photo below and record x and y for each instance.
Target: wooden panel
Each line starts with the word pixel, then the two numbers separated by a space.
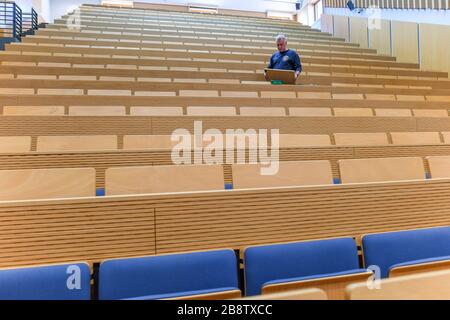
pixel 304 140
pixel 355 139
pixel 348 96
pixel 96 111
pixel 401 97
pixel 359 31
pixel 262 112
pixel 439 166
pixel 353 112
pixel 434 47
pixel 310 112
pixel 290 173
pixel 326 23
pixel 381 97
pixel 430 113
pixel 199 93
pixel 15 144
pixel 393 112
pixel 381 169
pixel 76 143
pixel 415 138
pixel 446 136
pixel 380 38
pixel 222 295
pixel 333 286
pixel 69 92
pixel 183 178
pixel 313 95
pixel 33 111
pixel 423 286
pixel 438 98
pixel 156 111
pixel 239 94
pixel 302 294
pixel 148 142
pixel 211 111
pixel 341 27
pixel 405 41
pixel 278 94
pixel 46 183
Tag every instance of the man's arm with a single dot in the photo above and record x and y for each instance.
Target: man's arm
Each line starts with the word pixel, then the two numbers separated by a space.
pixel 297 65
pixel 270 66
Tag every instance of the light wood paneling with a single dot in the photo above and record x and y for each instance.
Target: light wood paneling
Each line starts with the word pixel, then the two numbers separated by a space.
pixel 301 294
pixel 380 38
pixel 434 47
pixel 341 27
pixel 304 140
pixel 359 31
pixel 157 179
pixel 364 139
pixel 422 286
pixel 381 169
pixel 76 143
pixel 33 111
pixel 405 41
pixel 46 183
pixel 415 138
pixel 148 142
pixel 439 166
pixel 393 112
pixel 326 23
pixel 290 173
pixel 15 144
pixel 156 111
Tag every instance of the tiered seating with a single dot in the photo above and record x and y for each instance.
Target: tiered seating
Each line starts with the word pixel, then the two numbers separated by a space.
pixel 363 149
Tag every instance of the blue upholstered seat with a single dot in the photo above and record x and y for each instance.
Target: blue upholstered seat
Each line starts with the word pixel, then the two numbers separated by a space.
pixel 298 261
pixel 167 276
pixel 53 282
pixel 387 250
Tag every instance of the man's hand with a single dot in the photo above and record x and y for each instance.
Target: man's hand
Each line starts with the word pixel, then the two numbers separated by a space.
pixel 265 76
pixel 297 73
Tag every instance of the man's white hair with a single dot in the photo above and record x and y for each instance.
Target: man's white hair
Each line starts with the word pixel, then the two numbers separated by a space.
pixel 281 37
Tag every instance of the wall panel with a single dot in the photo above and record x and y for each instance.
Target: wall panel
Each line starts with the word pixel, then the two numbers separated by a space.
pixel 405 41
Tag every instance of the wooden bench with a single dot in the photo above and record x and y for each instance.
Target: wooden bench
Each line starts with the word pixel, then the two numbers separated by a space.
pixel 76 143
pixel 15 144
pixel 157 179
pixel 303 140
pixel 355 139
pixel 202 220
pixel 289 173
pixel 407 138
pixel 381 169
pixel 422 286
pixel 46 183
pixel 300 294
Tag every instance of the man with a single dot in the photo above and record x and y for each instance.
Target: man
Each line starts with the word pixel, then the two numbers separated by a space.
pixel 285 59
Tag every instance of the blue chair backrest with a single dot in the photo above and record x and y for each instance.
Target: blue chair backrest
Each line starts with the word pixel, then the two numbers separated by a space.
pixel 300 259
pixel 156 276
pixel 53 282
pixel 387 249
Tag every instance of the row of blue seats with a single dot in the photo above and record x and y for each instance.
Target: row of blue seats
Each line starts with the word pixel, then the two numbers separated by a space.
pixel 186 274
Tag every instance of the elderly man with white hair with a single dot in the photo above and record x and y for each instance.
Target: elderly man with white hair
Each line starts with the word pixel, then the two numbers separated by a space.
pixel 285 59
